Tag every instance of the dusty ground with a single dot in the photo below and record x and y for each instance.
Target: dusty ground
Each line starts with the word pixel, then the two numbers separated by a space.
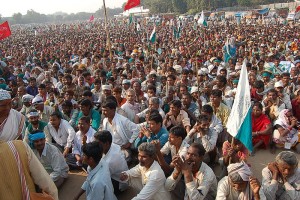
pixel 75 180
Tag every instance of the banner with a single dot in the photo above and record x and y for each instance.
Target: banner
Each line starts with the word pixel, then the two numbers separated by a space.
pixel 4 30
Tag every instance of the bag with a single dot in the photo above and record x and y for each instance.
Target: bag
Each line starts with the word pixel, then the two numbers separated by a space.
pixel 25 191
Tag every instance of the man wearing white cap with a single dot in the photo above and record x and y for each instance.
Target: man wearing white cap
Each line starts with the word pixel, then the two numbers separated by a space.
pixel 12 123
pixel 27 106
pixel 106 91
pixel 279 87
pixel 126 86
pixel 44 111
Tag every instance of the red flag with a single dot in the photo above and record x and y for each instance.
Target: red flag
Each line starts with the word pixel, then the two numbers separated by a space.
pixel 297 9
pixel 131 4
pixel 4 30
pixel 92 18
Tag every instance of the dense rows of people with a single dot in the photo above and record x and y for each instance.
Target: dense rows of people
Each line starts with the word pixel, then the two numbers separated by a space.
pixel 149 116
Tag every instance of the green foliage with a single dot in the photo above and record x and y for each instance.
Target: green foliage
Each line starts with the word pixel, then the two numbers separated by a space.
pixel 34 17
pixel 195 6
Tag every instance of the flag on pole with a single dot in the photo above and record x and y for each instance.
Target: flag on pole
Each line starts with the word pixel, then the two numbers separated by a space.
pixel 297 9
pixel 91 18
pixel 201 20
pixel 130 19
pixel 239 123
pixel 153 36
pixel 297 12
pixel 131 4
pixel 4 30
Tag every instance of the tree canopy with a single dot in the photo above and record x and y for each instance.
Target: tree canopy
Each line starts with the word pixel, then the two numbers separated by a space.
pixel 194 6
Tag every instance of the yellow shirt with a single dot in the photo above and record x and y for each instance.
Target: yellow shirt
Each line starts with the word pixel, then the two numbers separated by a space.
pixel 222 112
pixel 10 185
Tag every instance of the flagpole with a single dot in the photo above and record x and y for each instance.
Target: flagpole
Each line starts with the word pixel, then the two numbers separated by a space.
pixel 107 31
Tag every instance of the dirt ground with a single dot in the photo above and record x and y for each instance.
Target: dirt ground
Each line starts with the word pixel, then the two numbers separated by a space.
pixel 75 180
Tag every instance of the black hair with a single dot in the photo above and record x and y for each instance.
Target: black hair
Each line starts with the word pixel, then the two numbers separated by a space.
pixel 151 87
pixel 56 114
pixel 201 150
pixel 86 102
pixel 67 103
pixel 156 117
pixel 259 84
pixel 176 103
pixel 207 109
pixel 222 79
pixel 103 136
pixel 216 92
pixel 178 131
pixel 203 118
pixel 94 150
pixel 85 119
pixel 42 86
pixel 258 104
pixel 87 93
pixel 109 104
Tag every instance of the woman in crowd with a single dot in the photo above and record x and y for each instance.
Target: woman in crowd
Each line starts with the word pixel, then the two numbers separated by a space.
pixel 286 133
pixel 261 127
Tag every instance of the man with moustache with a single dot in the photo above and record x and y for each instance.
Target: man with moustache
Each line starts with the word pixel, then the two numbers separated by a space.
pixel 50 157
pixel 200 180
pixel 203 134
pixel 12 122
pixel 34 123
pixel 147 177
pixel 281 179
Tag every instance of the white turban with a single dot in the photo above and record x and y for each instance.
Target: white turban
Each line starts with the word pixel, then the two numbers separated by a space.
pixel 4 95
pixel 241 168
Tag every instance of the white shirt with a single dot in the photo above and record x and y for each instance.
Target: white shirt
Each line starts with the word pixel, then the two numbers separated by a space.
pixel 204 186
pixel 78 140
pixel 53 161
pixel 116 163
pixel 167 148
pixel 122 129
pixel 130 110
pixel 143 113
pixel 151 180
pixel 64 136
pixel 98 184
pixel 277 190
pixel 208 141
pixel 216 124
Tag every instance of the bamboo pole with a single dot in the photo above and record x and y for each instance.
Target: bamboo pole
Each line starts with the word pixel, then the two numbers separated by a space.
pixel 107 31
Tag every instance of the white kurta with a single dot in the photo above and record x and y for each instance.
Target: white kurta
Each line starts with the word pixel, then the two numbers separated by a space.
pixel 14 126
pixel 150 183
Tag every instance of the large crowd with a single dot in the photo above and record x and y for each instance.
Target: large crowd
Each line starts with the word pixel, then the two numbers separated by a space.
pixel 150 116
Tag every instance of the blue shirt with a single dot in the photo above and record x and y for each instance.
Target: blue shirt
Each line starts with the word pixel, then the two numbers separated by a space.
pixel 32 90
pixel 162 136
pixel 98 184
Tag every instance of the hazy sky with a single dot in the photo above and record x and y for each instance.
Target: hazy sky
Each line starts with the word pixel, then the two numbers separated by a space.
pixel 52 6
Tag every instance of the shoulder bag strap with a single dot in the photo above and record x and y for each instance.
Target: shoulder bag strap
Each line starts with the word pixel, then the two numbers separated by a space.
pixel 25 190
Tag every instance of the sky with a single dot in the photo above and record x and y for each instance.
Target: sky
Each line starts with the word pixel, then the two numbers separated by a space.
pixel 52 6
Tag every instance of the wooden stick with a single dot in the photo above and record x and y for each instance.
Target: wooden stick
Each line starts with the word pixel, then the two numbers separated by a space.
pixel 232 145
pixel 107 32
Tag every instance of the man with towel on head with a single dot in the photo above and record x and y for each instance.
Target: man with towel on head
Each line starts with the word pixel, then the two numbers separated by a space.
pixel 50 157
pixel 12 122
pixel 239 184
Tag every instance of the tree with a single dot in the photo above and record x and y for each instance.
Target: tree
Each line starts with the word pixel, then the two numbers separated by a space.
pixel 244 2
pixel 17 18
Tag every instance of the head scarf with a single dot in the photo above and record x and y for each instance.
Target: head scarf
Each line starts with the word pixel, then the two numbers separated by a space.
pixel 282 119
pixel 34 137
pixel 241 168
